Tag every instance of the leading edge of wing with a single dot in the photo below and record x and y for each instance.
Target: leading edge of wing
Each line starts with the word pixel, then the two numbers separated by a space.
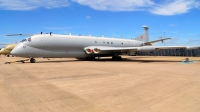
pixel 177 47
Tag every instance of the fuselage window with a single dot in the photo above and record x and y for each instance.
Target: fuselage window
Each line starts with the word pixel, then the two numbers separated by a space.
pixel 107 42
pixel 122 43
pixel 95 41
pixel 111 42
pixel 103 42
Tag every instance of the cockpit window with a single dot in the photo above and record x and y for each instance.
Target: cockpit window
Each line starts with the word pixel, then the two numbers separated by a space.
pixel 24 40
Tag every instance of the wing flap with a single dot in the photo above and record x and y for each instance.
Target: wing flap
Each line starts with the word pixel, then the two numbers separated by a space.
pixel 176 47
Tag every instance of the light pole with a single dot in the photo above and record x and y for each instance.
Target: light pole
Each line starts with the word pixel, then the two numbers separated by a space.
pixel 164 37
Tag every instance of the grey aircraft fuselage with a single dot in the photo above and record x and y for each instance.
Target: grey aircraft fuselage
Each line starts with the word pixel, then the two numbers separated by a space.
pixel 60 46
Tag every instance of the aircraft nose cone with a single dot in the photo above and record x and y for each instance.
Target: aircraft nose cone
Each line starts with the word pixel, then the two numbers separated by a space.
pixel 14 52
pixel 18 50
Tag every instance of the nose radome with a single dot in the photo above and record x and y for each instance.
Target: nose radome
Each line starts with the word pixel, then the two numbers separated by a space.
pixel 14 52
pixel 18 50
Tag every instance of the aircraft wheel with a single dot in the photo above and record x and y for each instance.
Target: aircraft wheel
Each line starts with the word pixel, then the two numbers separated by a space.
pixel 8 55
pixel 80 58
pixel 90 58
pixel 119 58
pixel 32 60
pixel 116 58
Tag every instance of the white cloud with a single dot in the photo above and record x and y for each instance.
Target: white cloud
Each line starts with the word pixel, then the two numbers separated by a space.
pixel 172 25
pixel 165 7
pixel 173 8
pixel 116 5
pixel 197 5
pixel 88 17
pixel 31 4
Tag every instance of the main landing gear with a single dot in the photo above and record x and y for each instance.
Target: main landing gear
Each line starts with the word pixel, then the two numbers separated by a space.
pixel 90 58
pixel 116 58
pixel 32 60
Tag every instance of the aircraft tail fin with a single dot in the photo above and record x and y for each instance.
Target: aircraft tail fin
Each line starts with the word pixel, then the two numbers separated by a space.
pixel 145 36
pixel 16 42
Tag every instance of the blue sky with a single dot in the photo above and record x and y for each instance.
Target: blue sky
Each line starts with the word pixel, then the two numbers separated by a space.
pixel 180 19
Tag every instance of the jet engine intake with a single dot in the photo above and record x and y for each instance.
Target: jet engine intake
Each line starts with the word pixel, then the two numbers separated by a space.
pixel 96 50
pixel 89 51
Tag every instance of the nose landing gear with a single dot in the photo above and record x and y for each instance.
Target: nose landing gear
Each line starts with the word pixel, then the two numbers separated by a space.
pixel 32 60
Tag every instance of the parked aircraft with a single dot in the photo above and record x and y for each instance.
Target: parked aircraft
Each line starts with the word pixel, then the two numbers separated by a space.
pixel 7 49
pixel 88 47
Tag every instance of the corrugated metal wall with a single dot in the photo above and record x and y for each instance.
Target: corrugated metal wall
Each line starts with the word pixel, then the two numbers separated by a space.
pixel 172 52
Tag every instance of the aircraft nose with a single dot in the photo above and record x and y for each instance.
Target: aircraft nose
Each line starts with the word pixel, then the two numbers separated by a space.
pixel 1 50
pixel 18 50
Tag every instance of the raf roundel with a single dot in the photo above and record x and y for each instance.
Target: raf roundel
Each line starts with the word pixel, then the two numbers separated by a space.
pixel 29 39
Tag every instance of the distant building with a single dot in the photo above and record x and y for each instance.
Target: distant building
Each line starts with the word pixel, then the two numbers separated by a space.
pixel 171 52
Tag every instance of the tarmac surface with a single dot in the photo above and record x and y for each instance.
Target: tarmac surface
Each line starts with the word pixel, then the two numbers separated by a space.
pixel 135 84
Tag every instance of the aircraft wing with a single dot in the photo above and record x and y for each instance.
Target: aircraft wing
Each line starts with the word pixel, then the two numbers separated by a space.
pixel 149 43
pixel 176 47
pixel 19 34
pixel 99 49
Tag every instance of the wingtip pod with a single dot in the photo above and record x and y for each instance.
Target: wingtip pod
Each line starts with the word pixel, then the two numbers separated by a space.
pixel 192 47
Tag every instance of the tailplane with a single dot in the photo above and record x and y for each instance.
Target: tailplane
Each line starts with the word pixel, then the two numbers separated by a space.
pixel 145 36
